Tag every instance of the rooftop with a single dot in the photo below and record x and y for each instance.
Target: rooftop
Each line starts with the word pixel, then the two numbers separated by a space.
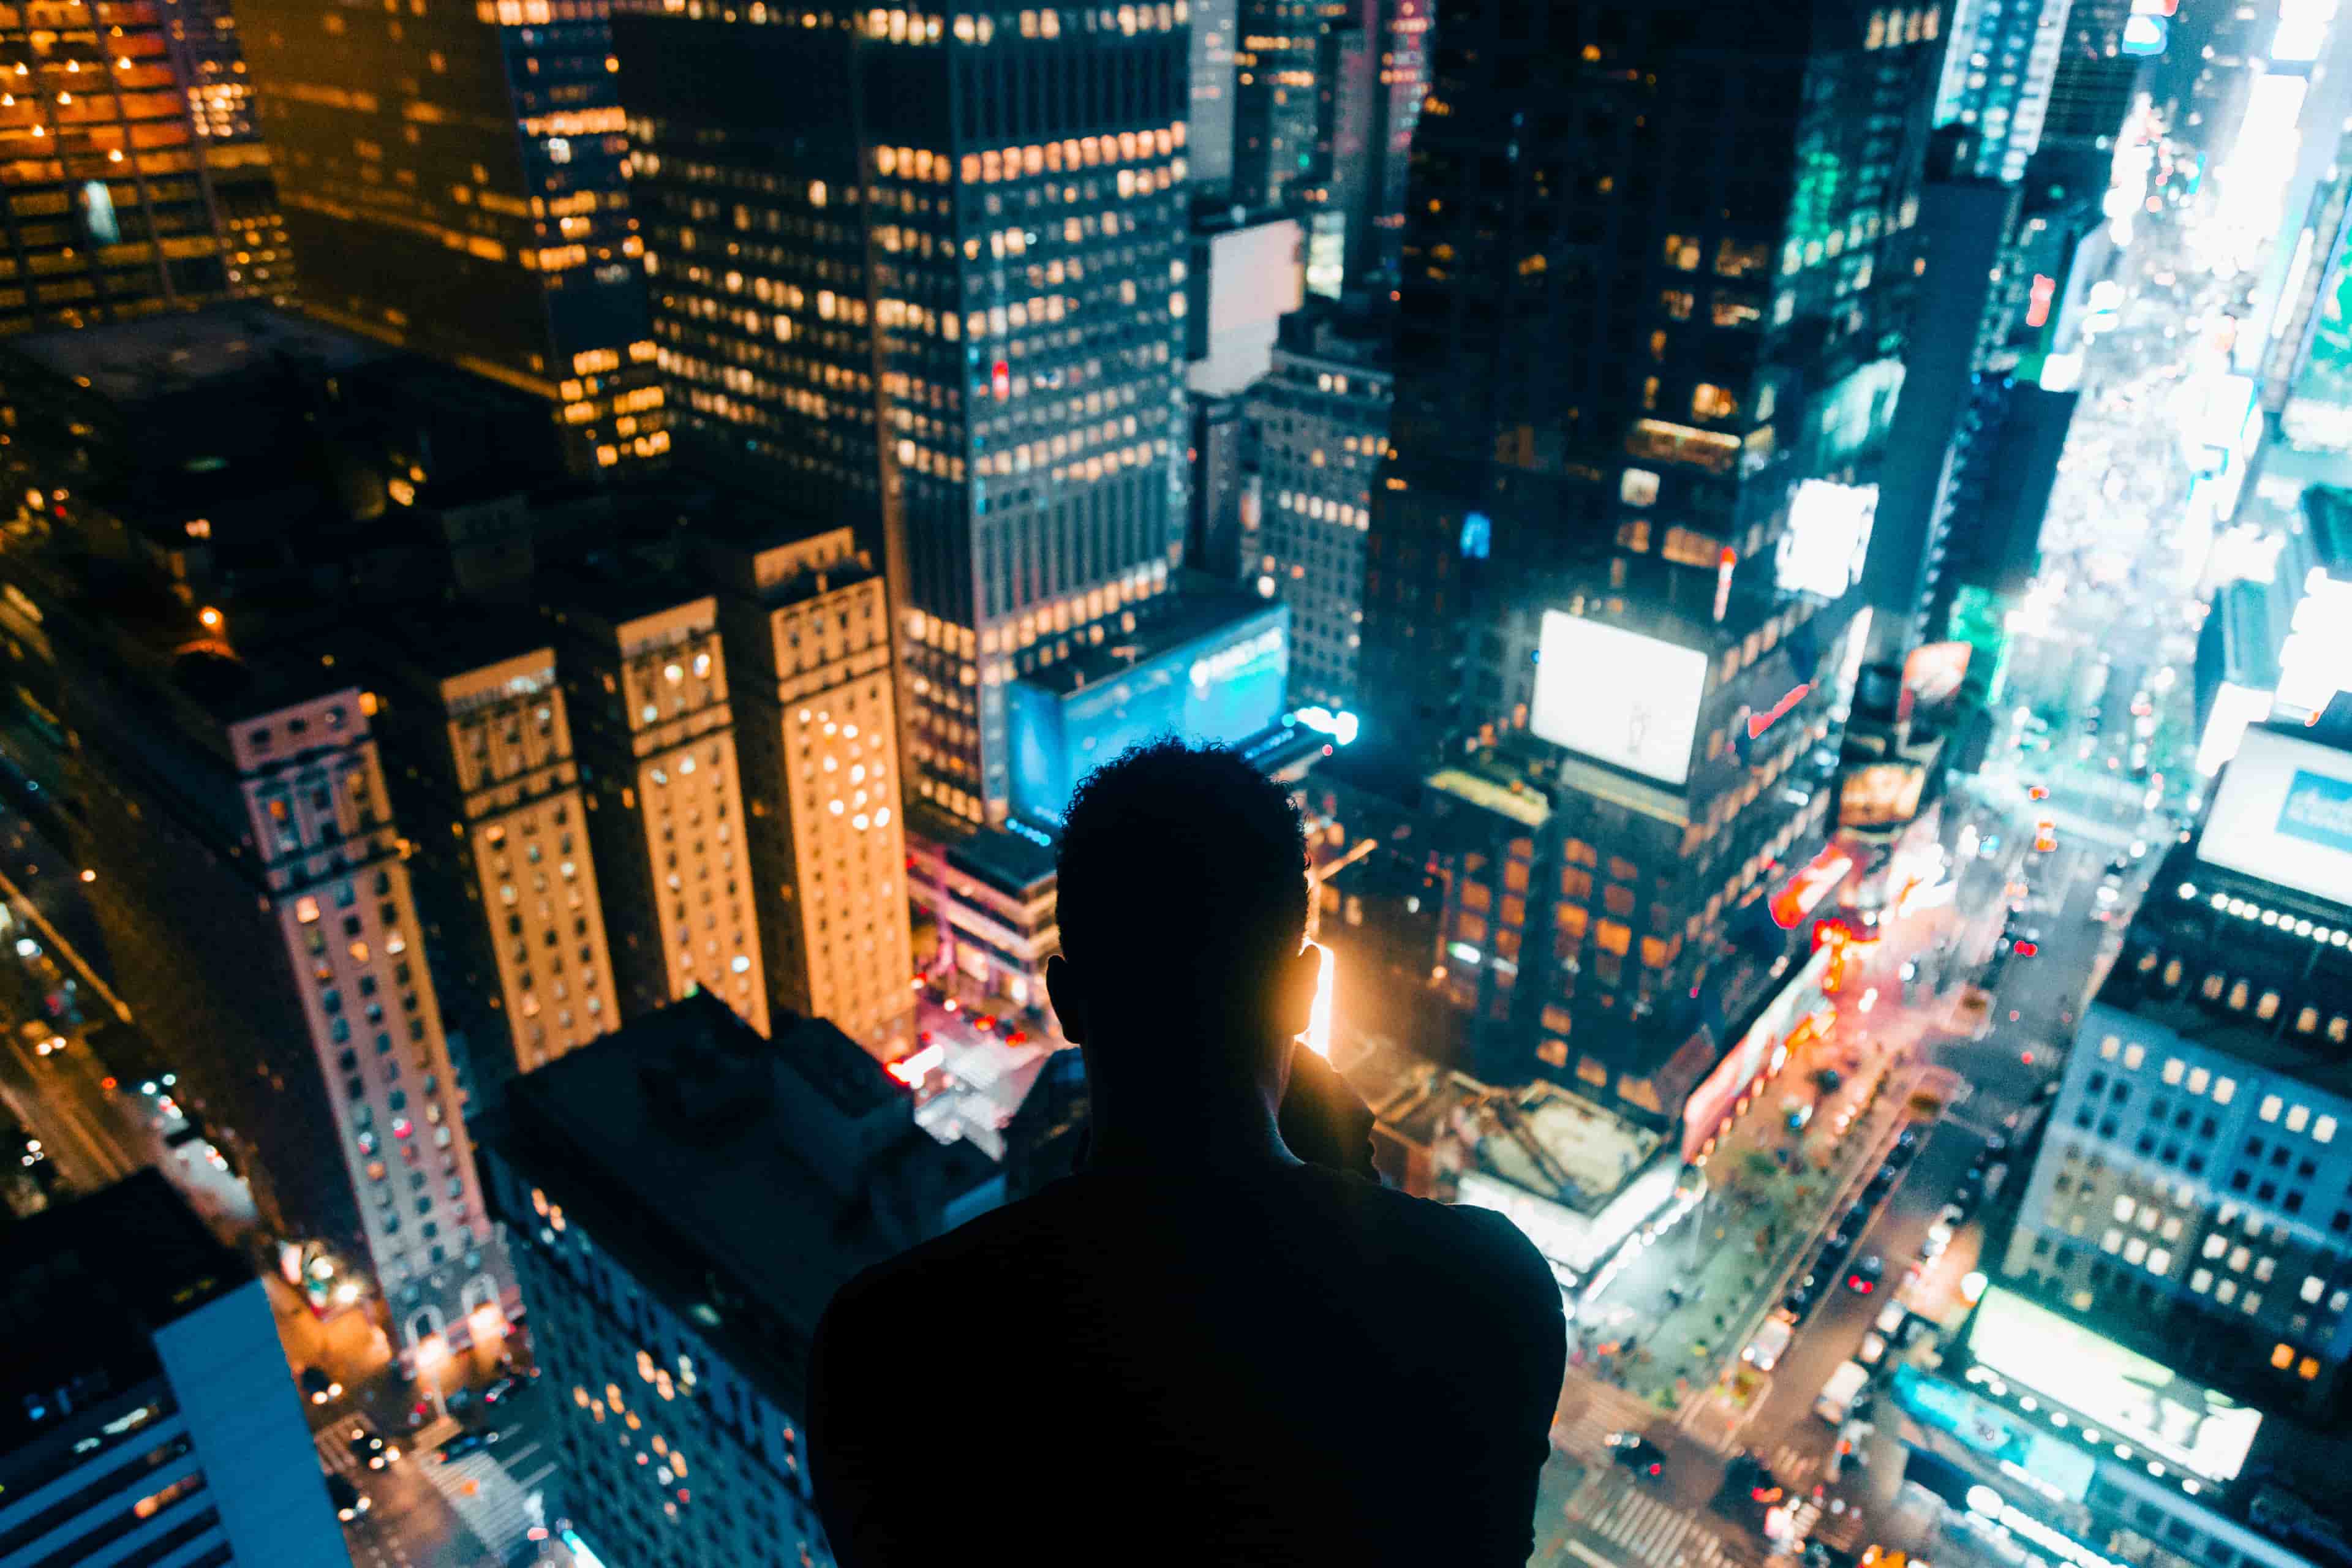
pixel 131 361
pixel 1200 608
pixel 1013 858
pixel 90 1282
pixel 744 1179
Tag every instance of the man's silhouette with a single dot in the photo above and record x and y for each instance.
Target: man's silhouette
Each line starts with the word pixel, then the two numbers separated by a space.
pixel 1198 1349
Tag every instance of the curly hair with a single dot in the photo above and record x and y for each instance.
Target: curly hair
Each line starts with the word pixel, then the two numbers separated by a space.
pixel 1179 858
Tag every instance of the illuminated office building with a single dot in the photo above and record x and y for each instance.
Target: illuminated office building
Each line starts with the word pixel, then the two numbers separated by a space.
pixel 1321 423
pixel 646 681
pixel 807 628
pixel 256 253
pixel 452 175
pixel 480 742
pixel 1643 385
pixel 978 366
pixel 1996 76
pixel 1215 24
pixel 1327 98
pixel 108 215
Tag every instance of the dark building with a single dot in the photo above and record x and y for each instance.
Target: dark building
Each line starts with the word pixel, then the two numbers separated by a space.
pixel 1646 357
pixel 1967 222
pixel 148 1416
pixel 255 252
pixel 2092 88
pixel 930 271
pixel 1328 95
pixel 677 1314
pixel 1221 532
pixel 453 181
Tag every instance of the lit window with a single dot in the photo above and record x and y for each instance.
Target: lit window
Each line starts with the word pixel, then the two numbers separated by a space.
pixel 2298 1119
pixel 2323 1130
pixel 2283 1355
pixel 2272 1106
pixel 2173 1070
pixel 2133 1055
pixel 2225 1089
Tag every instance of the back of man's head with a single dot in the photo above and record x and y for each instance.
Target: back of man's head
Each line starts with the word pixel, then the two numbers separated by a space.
pixel 1182 884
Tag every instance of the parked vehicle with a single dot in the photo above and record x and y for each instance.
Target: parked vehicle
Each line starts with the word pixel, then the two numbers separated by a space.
pixel 1771 1341
pixel 1637 1454
pixel 1836 1400
pixel 349 1500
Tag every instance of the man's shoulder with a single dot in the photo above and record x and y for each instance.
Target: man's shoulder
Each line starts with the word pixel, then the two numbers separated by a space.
pixel 979 1242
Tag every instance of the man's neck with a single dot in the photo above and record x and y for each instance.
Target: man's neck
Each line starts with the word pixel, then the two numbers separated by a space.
pixel 1211 1136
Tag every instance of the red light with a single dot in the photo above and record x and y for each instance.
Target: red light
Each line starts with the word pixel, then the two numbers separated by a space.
pixel 106 1083
pixel 2026 1057
pixel 2038 791
pixel 2028 949
pixel 1000 380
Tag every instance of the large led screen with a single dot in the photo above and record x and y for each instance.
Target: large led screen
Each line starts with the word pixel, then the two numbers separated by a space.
pixel 2141 1402
pixel 1618 697
pixel 2283 813
pixel 1828 536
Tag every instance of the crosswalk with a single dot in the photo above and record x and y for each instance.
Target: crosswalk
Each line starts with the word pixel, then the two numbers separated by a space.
pixel 1646 1528
pixel 1792 1467
pixel 494 1505
pixel 1590 1411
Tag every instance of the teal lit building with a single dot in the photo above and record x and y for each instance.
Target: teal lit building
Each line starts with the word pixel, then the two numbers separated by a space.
pixel 1210 668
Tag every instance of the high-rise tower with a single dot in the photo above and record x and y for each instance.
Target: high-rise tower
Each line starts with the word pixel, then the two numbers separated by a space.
pixel 930 269
pixel 452 176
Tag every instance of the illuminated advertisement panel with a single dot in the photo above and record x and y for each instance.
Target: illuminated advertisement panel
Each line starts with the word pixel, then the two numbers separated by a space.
pixel 1709 1104
pixel 2141 1402
pixel 1618 697
pixel 2283 813
pixel 1993 1432
pixel 1828 536
pixel 1934 673
pixel 1883 794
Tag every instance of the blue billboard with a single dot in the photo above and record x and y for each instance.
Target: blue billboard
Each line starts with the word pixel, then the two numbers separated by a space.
pixel 1213 671
pixel 1993 1432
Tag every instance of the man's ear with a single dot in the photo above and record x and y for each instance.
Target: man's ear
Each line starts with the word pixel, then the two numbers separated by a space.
pixel 1062 990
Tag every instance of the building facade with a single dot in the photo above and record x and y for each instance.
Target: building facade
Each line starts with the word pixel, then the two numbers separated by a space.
pixel 480 738
pixel 110 205
pixel 807 629
pixel 159 1423
pixel 644 668
pixel 2194 1172
pixel 1644 386
pixel 1320 422
pixel 453 181
pixel 978 366
pixel 680 1318
pixel 1998 71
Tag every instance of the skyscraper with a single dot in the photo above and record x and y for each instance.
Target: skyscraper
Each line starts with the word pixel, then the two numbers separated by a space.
pixel 1279 109
pixel 1215 24
pixel 452 178
pixel 1649 344
pixel 257 254
pixel 930 269
pixel 807 629
pixel 110 213
pixel 1997 72
pixel 480 738
pixel 646 681
pixel 149 1417
pixel 678 1314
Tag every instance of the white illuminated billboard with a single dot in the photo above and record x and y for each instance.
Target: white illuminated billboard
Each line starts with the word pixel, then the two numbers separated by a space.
pixel 1829 533
pixel 2283 813
pixel 2140 1402
pixel 1618 697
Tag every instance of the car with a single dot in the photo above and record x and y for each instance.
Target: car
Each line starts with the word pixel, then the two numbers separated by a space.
pixel 349 1500
pixel 1764 1352
pixel 1841 1237
pixel 1863 1277
pixel 500 1389
pixel 467 1443
pixel 1939 1237
pixel 1874 1349
pixel 1953 1216
pixel 1889 1321
pixel 1856 1218
pixel 370 1449
pixel 1887 1176
pixel 318 1387
pixel 1637 1454
pixel 1800 1297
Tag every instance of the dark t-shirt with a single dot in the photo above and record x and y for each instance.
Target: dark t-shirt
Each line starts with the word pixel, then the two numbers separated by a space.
pixel 1287 1366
